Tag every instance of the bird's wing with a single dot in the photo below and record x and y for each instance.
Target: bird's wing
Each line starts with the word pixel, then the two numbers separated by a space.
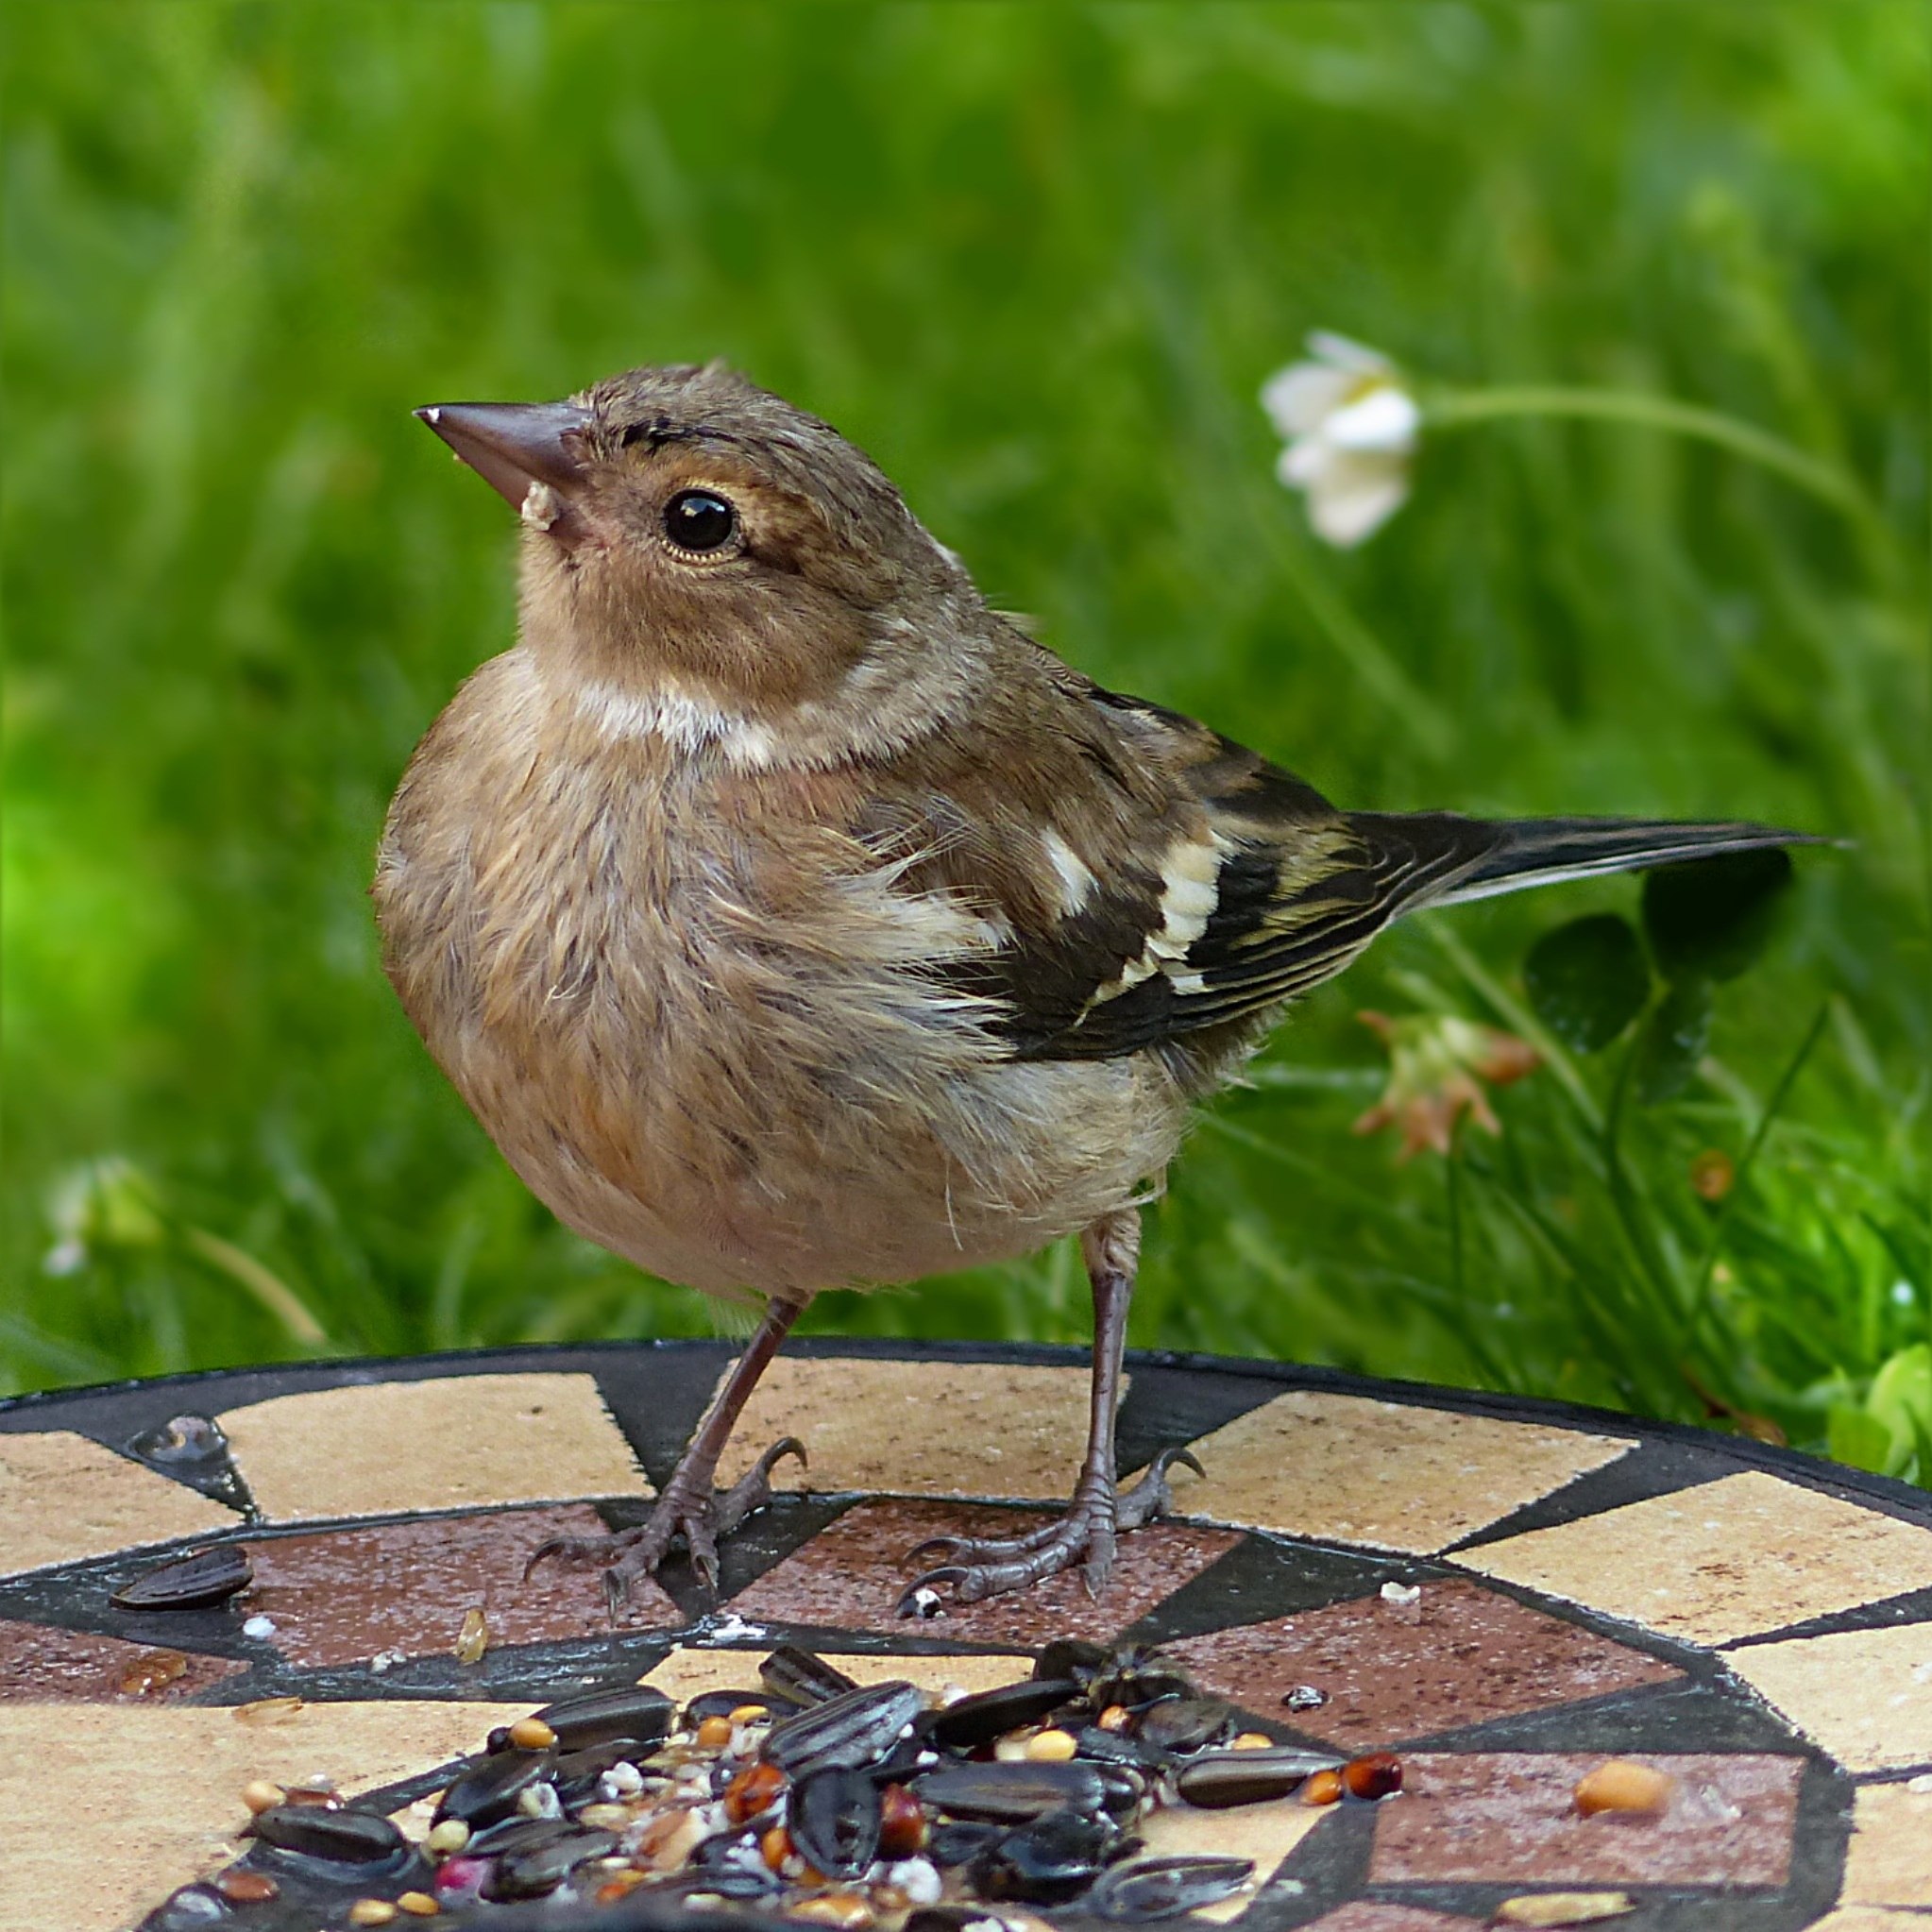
pixel 1181 882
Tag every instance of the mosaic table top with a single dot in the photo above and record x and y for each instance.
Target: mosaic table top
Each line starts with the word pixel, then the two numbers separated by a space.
pixel 1568 1585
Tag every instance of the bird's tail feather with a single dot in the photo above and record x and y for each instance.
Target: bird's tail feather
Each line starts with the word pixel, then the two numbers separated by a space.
pixel 1457 860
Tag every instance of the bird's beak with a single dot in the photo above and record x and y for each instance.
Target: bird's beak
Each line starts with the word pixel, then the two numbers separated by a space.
pixel 531 453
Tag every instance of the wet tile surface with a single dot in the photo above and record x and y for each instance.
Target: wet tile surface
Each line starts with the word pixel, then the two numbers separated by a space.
pixel 1864 1695
pixel 41 1663
pixel 1460 1655
pixel 1508 1818
pixel 345 1596
pixel 851 1576
pixel 1889 1861
pixel 457 1442
pixel 1389 1475
pixel 918 1428
pixel 1729 1559
pixel 1523 1693
pixel 63 1497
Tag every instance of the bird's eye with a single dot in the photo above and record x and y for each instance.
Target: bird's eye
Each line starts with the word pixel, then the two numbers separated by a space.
pixel 699 521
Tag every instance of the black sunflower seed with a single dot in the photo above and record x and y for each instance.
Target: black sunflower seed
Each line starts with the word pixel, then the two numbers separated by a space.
pixel 190 1582
pixel 720 1704
pixel 338 1838
pixel 834 1819
pixel 517 1833
pixel 1222 1779
pixel 989 1714
pixel 1051 1860
pixel 482 1796
pixel 803 1678
pixel 856 1728
pixel 1185 1724
pixel 637 1713
pixel 1011 1793
pixel 538 1872
pixel 1163 1887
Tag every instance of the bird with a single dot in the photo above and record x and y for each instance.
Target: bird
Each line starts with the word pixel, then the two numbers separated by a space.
pixel 792 919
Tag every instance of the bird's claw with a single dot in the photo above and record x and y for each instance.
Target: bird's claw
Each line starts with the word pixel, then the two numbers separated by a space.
pixel 983 1566
pixel 685 1513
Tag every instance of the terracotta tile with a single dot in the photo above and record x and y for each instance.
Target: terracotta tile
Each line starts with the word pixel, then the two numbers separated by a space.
pixel 1264 1833
pixel 1392 1475
pixel 1460 1655
pixel 41 1662
pixel 850 1574
pixel 1864 1695
pixel 63 1497
pixel 1364 1915
pixel 688 1670
pixel 1507 1818
pixel 988 1428
pixel 153 1793
pixel 457 1442
pixel 1724 1560
pixel 341 1596
pixel 1889 1861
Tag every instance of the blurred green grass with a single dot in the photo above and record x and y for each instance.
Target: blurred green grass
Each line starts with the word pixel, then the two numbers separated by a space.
pixel 1038 260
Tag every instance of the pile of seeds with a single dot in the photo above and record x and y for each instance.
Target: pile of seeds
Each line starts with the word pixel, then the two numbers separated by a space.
pixel 812 1799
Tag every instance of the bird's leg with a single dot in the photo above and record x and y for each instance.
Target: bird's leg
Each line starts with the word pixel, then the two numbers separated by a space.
pixel 689 1507
pixel 979 1567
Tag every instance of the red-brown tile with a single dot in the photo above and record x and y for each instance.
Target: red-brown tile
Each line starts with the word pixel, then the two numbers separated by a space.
pixel 1459 1655
pixel 41 1663
pixel 345 1596
pixel 852 1573
pixel 1508 1818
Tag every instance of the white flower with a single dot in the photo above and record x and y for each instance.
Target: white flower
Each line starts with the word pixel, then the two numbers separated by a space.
pixel 1350 428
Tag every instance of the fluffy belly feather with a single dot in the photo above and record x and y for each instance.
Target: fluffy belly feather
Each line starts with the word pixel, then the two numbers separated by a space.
pixel 732 1093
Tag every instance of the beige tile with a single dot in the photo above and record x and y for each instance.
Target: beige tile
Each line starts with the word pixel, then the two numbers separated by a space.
pixel 688 1671
pixel 975 1429
pixel 63 1497
pixel 1864 1695
pixel 1396 1476
pixel 1728 1559
pixel 458 1442
pixel 1889 1861
pixel 1264 1833
pixel 109 1809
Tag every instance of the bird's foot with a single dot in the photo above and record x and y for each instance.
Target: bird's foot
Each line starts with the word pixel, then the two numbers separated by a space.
pixel 689 1512
pixel 981 1567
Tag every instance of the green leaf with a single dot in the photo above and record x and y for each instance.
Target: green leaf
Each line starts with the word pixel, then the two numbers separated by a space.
pixel 1901 1400
pixel 1859 1438
pixel 1710 918
pixel 1588 980
pixel 1672 1042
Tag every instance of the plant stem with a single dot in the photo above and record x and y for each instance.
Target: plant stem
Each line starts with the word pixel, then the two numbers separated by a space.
pixel 270 1290
pixel 1701 1301
pixel 1825 481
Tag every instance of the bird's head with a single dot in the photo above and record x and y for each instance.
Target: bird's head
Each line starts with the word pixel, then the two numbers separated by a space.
pixel 694 542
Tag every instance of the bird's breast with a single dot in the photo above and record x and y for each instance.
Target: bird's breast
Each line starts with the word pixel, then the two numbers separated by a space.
pixel 716 1045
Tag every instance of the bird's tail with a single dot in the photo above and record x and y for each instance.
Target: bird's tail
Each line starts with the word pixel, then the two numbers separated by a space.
pixel 1445 859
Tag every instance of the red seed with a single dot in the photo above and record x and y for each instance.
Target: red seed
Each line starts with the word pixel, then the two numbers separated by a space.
pixel 902 1822
pixel 752 1791
pixel 1374 1776
pixel 246 1888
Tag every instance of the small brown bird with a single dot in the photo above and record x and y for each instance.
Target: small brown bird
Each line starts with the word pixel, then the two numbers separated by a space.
pixel 792 920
